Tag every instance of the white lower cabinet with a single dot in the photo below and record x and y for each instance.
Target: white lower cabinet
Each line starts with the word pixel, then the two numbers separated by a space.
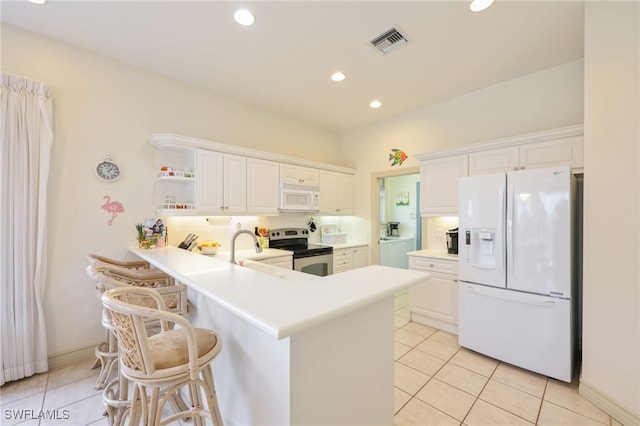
pixel 350 258
pixel 435 301
pixel 360 257
pixel 394 252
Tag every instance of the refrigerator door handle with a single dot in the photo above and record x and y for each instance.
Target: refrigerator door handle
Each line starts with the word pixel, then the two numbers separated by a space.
pixel 511 296
pixel 502 214
pixel 509 230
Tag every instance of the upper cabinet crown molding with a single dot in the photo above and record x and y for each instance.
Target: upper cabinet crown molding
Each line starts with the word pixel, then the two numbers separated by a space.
pixel 167 140
pixel 563 132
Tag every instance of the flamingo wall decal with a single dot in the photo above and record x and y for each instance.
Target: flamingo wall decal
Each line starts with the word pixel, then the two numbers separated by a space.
pixel 113 207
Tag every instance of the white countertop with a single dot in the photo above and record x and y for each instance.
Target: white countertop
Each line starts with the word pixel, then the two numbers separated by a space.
pixel 436 254
pixel 346 245
pixel 282 302
pixel 390 240
pixel 250 254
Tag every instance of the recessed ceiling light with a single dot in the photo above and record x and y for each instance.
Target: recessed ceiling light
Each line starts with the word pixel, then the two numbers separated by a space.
pixel 375 104
pixel 338 76
pixel 38 1
pixel 244 17
pixel 480 5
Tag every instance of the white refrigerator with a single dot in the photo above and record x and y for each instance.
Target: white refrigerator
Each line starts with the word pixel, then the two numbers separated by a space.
pixel 515 251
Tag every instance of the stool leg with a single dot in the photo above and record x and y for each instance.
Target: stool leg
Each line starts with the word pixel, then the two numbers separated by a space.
pixel 108 359
pixel 134 408
pixel 212 399
pixel 116 398
pixel 155 415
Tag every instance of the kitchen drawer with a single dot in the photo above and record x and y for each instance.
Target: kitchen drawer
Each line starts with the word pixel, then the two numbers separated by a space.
pixel 339 254
pixel 433 265
pixel 343 263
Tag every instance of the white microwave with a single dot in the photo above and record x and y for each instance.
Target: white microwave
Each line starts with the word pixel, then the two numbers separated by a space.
pixel 299 198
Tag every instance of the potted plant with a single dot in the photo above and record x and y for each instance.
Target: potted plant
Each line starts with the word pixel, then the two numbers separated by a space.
pixel 144 240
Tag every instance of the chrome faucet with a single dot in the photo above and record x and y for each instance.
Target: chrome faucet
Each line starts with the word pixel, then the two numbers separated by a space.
pixel 233 243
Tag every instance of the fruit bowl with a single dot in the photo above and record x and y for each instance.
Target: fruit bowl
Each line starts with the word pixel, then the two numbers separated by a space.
pixel 210 249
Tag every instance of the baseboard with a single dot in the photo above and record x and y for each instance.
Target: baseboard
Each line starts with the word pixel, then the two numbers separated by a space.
pixel 601 400
pixel 72 357
pixel 434 322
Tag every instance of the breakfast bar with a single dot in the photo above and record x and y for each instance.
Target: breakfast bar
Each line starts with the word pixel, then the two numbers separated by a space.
pixel 297 348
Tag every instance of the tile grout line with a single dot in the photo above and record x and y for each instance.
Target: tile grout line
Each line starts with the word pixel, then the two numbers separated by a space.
pixel 546 385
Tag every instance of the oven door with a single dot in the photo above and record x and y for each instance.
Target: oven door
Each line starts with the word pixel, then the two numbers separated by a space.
pixel 316 265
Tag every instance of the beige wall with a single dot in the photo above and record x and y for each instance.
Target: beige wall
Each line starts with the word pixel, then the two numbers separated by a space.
pixel 104 107
pixel 611 335
pixel 544 100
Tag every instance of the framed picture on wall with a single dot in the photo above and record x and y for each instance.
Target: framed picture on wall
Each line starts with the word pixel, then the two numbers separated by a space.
pixel 402 199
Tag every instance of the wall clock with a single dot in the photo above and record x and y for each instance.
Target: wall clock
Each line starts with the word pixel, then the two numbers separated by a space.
pixel 108 170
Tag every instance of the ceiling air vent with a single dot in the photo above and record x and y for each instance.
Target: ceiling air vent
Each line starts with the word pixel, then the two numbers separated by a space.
pixel 389 40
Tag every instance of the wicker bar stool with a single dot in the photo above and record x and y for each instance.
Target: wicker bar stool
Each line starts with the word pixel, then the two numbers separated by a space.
pixel 132 264
pixel 106 352
pixel 163 363
pixel 137 273
pixel 115 393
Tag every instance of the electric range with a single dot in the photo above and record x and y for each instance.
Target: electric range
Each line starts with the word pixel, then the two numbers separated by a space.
pixel 316 259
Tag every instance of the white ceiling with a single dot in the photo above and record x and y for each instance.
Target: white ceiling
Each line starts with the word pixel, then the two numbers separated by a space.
pixel 284 61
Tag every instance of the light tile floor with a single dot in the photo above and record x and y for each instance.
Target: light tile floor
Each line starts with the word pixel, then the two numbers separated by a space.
pixel 436 383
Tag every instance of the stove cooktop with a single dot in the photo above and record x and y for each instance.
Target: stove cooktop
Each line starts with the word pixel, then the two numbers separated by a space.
pixel 296 240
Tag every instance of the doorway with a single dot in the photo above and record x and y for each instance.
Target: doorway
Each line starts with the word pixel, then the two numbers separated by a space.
pixel 395 199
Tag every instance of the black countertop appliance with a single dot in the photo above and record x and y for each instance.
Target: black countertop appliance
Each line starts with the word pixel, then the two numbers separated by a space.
pixel 393 229
pixel 452 241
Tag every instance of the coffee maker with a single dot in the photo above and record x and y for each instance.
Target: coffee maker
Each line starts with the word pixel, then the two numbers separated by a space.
pixel 393 229
pixel 452 241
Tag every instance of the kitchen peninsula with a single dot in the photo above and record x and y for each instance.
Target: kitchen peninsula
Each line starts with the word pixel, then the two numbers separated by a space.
pixel 297 348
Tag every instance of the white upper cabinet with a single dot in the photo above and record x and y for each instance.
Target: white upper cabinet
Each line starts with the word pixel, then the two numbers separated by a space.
pixel 494 160
pixel 209 183
pixel 441 171
pixel 199 177
pixel 299 175
pixel 221 183
pixel 439 184
pixel 263 179
pixel 235 183
pixel 558 152
pixel 336 193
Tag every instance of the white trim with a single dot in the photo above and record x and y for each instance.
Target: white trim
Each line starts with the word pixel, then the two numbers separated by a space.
pixel 74 356
pixel 178 141
pixel 608 405
pixel 562 132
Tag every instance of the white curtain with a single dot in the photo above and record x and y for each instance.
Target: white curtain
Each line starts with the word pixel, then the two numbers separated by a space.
pixel 26 130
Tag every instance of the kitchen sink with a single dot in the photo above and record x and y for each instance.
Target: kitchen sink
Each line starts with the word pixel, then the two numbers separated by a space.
pixel 275 271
